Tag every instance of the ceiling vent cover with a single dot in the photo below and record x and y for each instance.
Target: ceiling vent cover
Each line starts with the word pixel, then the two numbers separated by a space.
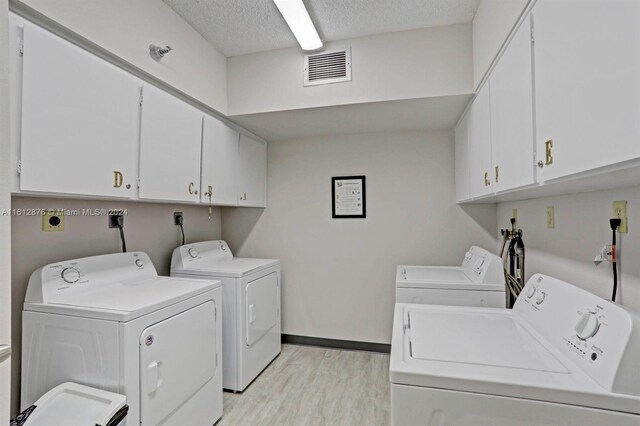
pixel 327 67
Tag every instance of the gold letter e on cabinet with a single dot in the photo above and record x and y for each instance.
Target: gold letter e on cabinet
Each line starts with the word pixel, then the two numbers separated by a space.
pixel 117 179
pixel 547 149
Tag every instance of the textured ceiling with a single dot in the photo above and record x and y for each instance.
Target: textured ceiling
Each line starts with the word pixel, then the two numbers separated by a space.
pixel 237 27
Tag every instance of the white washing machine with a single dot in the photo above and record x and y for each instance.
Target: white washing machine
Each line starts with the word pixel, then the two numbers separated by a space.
pixel 479 281
pixel 251 306
pixel 560 356
pixel 110 322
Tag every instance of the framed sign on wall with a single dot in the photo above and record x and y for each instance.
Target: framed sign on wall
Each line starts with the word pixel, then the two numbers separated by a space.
pixel 349 197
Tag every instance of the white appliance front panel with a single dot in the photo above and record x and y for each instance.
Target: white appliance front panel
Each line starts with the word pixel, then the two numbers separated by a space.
pixel 177 358
pixel 262 307
pixel 58 349
pixel 416 406
pixel 491 299
pixel 435 273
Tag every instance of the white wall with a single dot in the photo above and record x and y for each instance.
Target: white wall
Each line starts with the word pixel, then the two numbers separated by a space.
pixel 402 65
pixel 148 227
pixel 5 221
pixel 338 275
pixel 126 28
pixel 581 228
pixel 491 26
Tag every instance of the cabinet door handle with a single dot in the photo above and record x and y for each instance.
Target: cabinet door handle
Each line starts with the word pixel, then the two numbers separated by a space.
pixel 487 182
pixel 497 173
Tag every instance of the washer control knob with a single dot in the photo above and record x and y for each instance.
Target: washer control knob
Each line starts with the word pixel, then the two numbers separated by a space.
pixel 193 252
pixel 139 263
pixel 70 275
pixel 532 290
pixel 587 326
pixel 540 297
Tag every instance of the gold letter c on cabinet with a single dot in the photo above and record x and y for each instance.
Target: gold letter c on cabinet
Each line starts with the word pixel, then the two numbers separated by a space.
pixel 190 187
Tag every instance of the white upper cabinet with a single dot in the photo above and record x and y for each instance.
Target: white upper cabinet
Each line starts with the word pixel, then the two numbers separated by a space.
pixel 170 144
pixel 479 144
pixel 587 84
pixel 219 163
pixel 80 117
pixel 462 159
pixel 252 173
pixel 512 141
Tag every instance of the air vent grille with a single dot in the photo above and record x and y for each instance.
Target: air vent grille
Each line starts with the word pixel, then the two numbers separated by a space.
pixel 327 67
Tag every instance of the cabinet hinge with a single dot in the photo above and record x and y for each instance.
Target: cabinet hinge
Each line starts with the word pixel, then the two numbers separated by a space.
pixel 138 183
pixel 215 313
pixel 19 167
pixel 21 47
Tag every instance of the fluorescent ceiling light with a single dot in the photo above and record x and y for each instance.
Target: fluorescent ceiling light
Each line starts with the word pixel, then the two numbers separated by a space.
pixel 297 17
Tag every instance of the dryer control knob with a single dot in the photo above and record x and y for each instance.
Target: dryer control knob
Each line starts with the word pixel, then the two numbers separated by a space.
pixel 139 263
pixel 540 297
pixel 532 290
pixel 587 326
pixel 193 252
pixel 70 275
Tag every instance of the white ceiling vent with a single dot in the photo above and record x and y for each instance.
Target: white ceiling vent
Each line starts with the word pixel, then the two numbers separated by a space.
pixel 327 67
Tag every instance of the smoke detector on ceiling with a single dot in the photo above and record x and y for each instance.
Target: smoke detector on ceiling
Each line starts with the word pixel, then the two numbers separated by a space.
pixel 332 66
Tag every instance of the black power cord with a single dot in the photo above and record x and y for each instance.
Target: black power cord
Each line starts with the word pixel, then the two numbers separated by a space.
pixel 178 219
pixel 117 221
pixel 615 223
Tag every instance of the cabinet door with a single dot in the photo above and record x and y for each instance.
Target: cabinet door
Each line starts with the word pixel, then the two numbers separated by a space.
pixel 462 159
pixel 479 140
pixel 170 144
pixel 252 173
pixel 511 85
pixel 587 84
pixel 219 163
pixel 80 118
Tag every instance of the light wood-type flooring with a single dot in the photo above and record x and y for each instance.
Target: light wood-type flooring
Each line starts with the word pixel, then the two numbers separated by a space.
pixel 307 385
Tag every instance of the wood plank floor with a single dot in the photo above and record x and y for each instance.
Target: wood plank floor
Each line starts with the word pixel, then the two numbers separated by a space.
pixel 315 386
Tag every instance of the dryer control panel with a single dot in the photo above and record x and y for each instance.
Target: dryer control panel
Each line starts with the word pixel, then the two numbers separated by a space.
pixel 484 265
pixel 56 281
pixel 208 251
pixel 589 330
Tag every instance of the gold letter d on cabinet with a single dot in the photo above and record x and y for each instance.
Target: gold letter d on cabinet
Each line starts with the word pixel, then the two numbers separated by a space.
pixel 117 179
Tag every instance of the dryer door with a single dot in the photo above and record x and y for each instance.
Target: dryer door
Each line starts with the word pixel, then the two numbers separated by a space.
pixel 262 307
pixel 177 357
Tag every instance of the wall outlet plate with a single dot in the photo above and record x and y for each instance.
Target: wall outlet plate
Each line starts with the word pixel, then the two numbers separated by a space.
pixel 551 220
pixel 53 221
pixel 620 212
pixel 177 216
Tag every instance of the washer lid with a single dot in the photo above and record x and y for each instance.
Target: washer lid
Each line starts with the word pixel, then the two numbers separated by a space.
pixel 74 404
pixel 489 339
pixel 124 301
pixel 442 277
pixel 236 268
pixel 490 351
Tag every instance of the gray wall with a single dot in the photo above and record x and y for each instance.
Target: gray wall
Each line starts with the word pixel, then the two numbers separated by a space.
pixel 338 275
pixel 148 227
pixel 5 221
pixel 581 228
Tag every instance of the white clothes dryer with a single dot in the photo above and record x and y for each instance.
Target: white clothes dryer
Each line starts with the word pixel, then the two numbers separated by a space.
pixel 479 281
pixel 251 320
pixel 560 356
pixel 110 322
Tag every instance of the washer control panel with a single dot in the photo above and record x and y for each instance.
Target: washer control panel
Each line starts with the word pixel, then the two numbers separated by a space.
pixel 589 330
pixel 53 282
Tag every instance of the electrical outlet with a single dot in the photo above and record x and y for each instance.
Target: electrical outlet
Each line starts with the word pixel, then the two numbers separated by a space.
pixel 514 214
pixel 53 220
pixel 113 220
pixel 620 212
pixel 178 218
pixel 551 221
